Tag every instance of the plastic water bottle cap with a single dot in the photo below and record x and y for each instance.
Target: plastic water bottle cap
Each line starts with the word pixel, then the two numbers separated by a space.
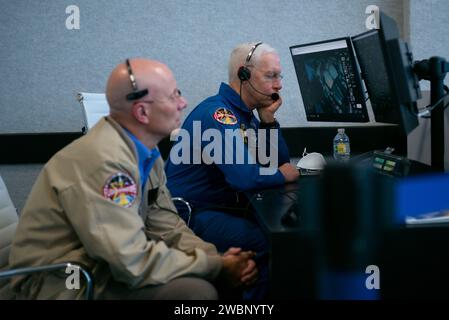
pixel 341 130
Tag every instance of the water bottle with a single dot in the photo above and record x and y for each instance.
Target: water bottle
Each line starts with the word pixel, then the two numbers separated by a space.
pixel 342 150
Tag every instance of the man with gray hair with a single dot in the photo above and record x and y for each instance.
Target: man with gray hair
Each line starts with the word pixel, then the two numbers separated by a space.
pixel 214 185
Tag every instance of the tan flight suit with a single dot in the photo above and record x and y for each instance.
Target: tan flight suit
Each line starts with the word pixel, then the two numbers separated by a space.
pixel 67 217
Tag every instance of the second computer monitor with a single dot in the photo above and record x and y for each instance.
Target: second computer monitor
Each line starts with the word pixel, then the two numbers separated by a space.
pixel 329 82
pixel 386 69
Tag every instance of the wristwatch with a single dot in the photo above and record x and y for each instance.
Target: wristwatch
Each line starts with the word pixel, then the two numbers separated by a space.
pixel 269 125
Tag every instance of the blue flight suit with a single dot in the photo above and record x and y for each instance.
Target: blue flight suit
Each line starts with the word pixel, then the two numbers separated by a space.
pixel 215 189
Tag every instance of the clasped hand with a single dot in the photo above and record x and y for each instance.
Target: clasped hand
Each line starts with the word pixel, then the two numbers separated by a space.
pixel 239 268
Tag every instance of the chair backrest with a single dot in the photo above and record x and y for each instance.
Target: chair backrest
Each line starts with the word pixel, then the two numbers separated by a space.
pixel 8 225
pixel 95 106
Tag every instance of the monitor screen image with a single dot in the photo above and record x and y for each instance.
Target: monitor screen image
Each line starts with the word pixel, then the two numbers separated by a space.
pixel 330 85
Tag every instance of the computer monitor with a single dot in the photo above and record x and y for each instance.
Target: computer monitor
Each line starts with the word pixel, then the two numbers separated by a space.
pixel 387 69
pixel 330 85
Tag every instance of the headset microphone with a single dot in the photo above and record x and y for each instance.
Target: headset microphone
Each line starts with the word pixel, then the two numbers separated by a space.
pixel 274 96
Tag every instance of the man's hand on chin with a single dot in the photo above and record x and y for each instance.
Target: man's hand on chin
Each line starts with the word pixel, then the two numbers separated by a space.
pixel 266 113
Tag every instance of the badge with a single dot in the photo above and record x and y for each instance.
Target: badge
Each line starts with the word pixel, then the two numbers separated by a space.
pixel 225 116
pixel 121 189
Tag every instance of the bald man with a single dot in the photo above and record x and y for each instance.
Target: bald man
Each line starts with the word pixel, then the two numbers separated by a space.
pixel 102 202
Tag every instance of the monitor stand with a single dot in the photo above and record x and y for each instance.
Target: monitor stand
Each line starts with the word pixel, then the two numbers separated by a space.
pixel 435 70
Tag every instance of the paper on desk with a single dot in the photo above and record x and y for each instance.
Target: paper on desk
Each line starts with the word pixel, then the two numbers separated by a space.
pixel 429 218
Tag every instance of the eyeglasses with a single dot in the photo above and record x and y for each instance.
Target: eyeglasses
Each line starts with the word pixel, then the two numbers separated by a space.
pixel 173 97
pixel 272 76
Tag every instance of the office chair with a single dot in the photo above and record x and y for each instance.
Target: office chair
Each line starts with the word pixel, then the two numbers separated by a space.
pixel 94 106
pixel 188 206
pixel 8 225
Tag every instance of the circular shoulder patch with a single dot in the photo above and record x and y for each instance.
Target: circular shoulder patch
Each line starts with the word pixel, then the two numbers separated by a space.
pixel 121 189
pixel 225 116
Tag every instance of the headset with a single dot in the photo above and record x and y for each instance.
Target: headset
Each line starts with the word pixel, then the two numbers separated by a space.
pixel 136 94
pixel 244 73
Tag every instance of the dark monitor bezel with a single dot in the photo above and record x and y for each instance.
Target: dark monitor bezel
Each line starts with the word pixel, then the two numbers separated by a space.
pixel 402 109
pixel 335 117
pixel 384 113
pixel 397 59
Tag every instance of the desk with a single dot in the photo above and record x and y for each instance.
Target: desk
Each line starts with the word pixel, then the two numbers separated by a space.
pixel 413 260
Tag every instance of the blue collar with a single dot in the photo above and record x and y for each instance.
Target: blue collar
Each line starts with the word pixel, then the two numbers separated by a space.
pixel 233 97
pixel 146 158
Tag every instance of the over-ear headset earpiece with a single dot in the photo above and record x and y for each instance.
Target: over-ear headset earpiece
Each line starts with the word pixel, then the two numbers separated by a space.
pixel 244 73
